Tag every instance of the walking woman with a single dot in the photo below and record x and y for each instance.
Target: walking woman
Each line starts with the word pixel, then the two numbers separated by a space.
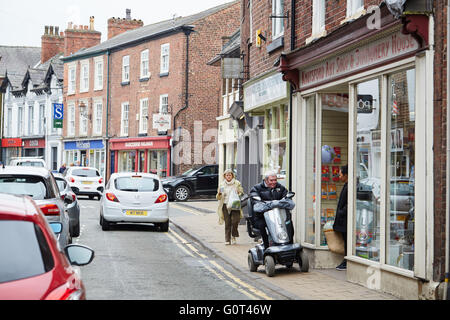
pixel 231 217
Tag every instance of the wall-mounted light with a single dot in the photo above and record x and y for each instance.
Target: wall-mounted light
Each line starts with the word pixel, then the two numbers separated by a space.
pixel 259 37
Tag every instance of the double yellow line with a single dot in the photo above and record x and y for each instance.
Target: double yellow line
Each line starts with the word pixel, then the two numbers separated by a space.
pixel 217 269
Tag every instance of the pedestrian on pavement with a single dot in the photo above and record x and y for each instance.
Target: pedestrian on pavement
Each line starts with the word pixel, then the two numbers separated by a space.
pixel 62 169
pixel 268 190
pixel 231 218
pixel 340 222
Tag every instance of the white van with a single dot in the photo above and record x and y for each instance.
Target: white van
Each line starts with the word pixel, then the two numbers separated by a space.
pixel 28 162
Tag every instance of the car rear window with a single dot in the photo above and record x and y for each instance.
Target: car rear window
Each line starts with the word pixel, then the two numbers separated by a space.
pixel 402 188
pixel 136 184
pixel 30 164
pixel 33 186
pixel 27 253
pixel 87 173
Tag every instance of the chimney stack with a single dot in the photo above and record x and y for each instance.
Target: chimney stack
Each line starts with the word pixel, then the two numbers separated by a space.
pixel 78 37
pixel 52 43
pixel 117 26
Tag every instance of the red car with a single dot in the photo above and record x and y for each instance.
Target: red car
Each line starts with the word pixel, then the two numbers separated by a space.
pixel 32 266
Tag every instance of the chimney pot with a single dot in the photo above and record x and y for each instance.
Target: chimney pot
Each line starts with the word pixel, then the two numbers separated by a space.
pixel 51 30
pixel 46 30
pixel 128 14
pixel 56 31
pixel 70 25
pixel 91 23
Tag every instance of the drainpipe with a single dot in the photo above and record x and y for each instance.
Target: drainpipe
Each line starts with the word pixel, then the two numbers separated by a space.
pixel 447 196
pixel 187 31
pixel 107 155
pixel 291 94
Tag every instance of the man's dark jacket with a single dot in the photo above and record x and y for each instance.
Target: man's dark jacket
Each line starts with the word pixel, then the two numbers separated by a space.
pixel 340 222
pixel 267 194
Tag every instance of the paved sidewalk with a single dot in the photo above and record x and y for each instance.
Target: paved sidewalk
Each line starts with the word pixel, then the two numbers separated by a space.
pixel 327 284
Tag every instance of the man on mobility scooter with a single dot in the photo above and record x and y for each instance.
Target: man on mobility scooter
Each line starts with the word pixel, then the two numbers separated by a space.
pixel 269 207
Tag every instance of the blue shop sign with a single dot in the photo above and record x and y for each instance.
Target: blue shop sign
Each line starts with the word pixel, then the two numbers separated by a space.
pixel 84 145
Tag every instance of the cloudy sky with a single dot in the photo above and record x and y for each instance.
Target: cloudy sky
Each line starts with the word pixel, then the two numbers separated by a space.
pixel 22 22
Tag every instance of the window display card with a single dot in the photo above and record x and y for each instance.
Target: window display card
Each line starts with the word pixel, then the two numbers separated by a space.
pixel 325 173
pixel 337 155
pixel 324 191
pixel 332 193
pixel 335 173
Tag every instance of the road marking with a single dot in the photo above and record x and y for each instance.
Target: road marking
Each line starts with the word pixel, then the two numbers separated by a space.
pixel 182 208
pixel 235 281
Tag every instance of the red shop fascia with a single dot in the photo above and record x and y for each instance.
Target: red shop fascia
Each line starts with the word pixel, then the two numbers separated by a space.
pixel 140 144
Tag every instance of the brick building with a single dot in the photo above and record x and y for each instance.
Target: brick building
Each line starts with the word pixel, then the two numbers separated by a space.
pixel 364 77
pixel 156 80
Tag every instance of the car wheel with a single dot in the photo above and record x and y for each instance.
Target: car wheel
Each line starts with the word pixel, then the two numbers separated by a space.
pixel 164 227
pixel 76 231
pixel 181 193
pixel 105 224
pixel 269 264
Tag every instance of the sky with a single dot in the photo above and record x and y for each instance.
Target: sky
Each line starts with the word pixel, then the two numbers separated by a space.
pixel 22 23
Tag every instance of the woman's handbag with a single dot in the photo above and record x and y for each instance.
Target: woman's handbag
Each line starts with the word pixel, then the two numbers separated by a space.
pixel 335 241
pixel 234 202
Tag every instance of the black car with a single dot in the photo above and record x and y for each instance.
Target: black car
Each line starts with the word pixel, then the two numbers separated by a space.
pixel 196 181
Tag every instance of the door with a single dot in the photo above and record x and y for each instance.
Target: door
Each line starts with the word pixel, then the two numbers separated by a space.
pixel 208 180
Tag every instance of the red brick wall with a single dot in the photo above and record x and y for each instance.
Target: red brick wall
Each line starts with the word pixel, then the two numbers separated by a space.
pixel 152 88
pixel 440 139
pixel 205 82
pixel 51 44
pixel 117 26
pixel 75 39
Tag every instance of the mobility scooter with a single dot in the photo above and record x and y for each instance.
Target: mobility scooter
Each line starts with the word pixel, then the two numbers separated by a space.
pixel 281 248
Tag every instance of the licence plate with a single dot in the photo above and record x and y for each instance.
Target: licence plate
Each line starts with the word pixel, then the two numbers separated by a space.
pixel 136 213
pixel 86 182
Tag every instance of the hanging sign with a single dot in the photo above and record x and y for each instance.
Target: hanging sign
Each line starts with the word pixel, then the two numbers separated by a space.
pixel 58 115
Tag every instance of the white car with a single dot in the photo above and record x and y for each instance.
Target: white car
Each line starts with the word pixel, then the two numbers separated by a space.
pixel 85 181
pixel 134 198
pixel 28 162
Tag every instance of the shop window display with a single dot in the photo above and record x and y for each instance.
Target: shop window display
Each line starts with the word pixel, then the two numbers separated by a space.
pixel 368 172
pixel 401 108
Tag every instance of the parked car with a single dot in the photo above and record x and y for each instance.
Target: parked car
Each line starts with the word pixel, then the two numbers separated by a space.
pixel 73 208
pixel 134 198
pixel 196 181
pixel 32 266
pixel 85 181
pixel 28 162
pixel 40 185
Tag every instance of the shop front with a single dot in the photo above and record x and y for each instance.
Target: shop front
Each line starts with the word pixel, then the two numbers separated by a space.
pixel 12 147
pixel 33 147
pixel 89 153
pixel 150 155
pixel 366 101
pixel 267 96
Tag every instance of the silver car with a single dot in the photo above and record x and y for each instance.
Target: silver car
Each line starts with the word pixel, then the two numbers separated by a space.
pixel 72 205
pixel 40 185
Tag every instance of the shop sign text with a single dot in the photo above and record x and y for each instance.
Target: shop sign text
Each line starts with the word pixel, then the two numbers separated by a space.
pixel 378 51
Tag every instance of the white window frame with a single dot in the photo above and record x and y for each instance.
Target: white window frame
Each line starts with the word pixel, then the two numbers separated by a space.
pixel 318 18
pixel 124 119
pixel 143 116
pixel 126 68
pixel 277 23
pixel 98 117
pixel 354 7
pixel 42 118
pixel 83 126
pixel 20 116
pixel 71 119
pixel 145 65
pixel 9 122
pixel 165 58
pixel 163 104
pixel 98 73
pixel 84 76
pixel 72 75
pixel 31 119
